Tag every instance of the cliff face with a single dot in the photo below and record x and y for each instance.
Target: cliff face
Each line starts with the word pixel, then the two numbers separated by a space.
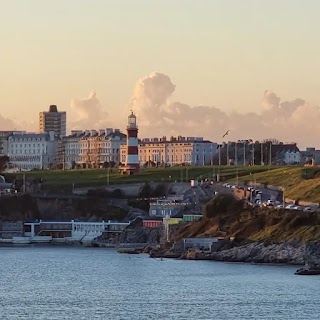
pixel 25 207
pixel 312 260
pixel 16 208
pixel 258 225
pixel 135 233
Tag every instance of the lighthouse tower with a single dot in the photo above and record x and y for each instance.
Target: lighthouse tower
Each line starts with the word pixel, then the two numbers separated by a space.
pixel 132 157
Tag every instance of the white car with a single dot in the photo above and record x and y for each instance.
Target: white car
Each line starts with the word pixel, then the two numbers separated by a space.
pixel 279 206
pixel 290 206
pixel 297 208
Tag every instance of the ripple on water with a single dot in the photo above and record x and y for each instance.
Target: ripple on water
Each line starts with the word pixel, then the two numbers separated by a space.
pixel 88 283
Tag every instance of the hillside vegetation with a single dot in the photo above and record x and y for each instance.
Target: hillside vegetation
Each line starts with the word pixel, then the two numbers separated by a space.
pixel 297 182
pixel 247 223
pixel 64 181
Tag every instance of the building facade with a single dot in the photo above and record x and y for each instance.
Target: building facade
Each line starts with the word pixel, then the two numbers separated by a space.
pixel 4 136
pixel 166 208
pixel 91 148
pixel 292 157
pixel 28 151
pixel 53 120
pixel 176 151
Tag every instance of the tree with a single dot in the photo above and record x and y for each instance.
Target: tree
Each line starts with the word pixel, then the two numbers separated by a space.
pixel 4 160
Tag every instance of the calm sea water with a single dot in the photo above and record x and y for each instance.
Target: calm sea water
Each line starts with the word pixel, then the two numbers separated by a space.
pixel 92 283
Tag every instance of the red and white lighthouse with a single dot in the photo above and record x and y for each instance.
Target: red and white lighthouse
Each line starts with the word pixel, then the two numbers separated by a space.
pixel 132 158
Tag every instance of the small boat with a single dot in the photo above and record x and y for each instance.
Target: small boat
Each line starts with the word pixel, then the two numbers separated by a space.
pixel 129 251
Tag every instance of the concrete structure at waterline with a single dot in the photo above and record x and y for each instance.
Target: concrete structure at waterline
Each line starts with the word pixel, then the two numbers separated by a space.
pixel 41 231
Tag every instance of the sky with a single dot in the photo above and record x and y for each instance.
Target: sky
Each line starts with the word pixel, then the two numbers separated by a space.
pixel 243 60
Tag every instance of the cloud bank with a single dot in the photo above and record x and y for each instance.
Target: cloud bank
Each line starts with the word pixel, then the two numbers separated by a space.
pixel 88 113
pixel 288 121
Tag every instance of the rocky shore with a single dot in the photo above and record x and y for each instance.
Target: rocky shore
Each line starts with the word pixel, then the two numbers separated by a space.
pixel 255 252
pixel 291 252
pixel 312 260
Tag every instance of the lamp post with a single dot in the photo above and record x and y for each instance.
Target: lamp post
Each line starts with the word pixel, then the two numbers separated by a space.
pixel 244 152
pixel 236 153
pixel 227 153
pixel 253 147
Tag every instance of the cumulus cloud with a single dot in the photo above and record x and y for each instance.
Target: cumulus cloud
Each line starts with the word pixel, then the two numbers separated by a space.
pixel 289 121
pixel 88 113
pixel 7 124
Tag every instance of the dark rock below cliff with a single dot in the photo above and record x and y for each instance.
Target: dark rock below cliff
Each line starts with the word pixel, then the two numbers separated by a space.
pixel 312 260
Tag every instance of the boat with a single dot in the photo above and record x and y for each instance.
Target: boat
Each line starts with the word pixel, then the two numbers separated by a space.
pixel 129 250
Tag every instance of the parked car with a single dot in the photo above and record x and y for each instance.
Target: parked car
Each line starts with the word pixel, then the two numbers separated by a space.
pixel 308 209
pixel 270 203
pixel 290 206
pixel 297 208
pixel 280 206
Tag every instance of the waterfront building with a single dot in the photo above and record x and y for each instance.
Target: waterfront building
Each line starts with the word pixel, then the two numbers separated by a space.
pixel 176 151
pixel 29 151
pixel 166 207
pixel 53 120
pixel 152 222
pixel 191 217
pixel 63 231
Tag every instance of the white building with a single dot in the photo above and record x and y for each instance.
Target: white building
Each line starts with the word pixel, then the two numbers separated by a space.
pixel 69 149
pixel 189 151
pixel 99 147
pixel 29 151
pixel 292 157
pixel 91 148
pixel 4 136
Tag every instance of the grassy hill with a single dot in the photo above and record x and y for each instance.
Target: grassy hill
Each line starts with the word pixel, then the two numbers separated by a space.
pixel 58 180
pixel 298 182
pixel 247 223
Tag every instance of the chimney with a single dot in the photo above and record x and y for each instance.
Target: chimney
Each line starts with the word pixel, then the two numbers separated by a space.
pixel 101 132
pixel 53 108
pixel 109 131
pixel 93 132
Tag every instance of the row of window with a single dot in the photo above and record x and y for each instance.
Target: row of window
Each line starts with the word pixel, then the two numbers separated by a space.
pixel 27 145
pixel 32 151
pixel 27 139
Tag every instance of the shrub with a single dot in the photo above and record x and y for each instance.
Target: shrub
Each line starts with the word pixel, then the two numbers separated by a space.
pixel 221 204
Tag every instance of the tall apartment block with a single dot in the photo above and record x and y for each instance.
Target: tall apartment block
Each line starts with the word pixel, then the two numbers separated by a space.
pixel 53 120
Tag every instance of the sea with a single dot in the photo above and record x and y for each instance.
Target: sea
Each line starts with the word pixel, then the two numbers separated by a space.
pixel 57 282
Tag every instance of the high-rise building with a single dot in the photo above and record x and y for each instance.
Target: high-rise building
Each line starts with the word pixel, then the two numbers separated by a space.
pixel 53 120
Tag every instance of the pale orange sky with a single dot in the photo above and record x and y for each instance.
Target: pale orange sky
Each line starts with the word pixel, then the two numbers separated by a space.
pixel 218 53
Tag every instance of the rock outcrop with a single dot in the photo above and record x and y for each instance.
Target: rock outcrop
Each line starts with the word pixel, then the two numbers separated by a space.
pixel 259 252
pixel 255 252
pixel 312 260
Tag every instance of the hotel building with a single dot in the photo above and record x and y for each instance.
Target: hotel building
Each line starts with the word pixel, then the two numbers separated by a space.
pixel 177 151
